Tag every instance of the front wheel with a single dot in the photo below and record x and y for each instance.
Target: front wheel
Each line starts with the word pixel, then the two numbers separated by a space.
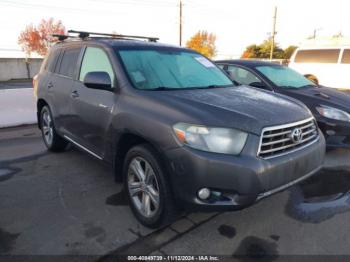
pixel 52 140
pixel 148 188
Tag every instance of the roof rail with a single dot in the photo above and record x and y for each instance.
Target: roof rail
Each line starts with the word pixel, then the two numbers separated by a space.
pixel 60 37
pixel 83 34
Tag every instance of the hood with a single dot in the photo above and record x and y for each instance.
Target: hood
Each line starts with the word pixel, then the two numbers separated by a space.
pixel 314 96
pixel 241 107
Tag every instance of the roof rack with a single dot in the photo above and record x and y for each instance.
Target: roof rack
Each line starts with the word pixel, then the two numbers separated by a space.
pixel 83 34
pixel 60 37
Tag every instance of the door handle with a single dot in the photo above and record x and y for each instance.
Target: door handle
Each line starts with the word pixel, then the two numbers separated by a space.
pixel 50 85
pixel 74 94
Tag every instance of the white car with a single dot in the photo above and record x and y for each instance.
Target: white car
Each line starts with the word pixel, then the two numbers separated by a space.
pixel 327 66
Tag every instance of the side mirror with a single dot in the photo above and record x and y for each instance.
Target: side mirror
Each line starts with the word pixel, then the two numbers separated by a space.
pixel 98 80
pixel 259 85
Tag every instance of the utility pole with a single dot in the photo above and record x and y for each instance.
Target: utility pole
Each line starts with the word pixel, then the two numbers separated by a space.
pixel 180 24
pixel 273 33
pixel 315 32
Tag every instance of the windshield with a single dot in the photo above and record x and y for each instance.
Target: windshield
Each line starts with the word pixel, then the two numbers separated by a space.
pixel 284 77
pixel 158 69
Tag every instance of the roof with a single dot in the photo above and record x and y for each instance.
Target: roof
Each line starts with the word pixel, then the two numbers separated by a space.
pixel 325 42
pixel 245 62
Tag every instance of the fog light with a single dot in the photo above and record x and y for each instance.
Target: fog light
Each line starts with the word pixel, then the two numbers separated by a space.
pixel 204 193
pixel 330 132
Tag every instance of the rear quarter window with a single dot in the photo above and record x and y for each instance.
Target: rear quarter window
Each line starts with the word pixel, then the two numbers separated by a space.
pixel 317 56
pixel 51 61
pixel 346 57
pixel 69 62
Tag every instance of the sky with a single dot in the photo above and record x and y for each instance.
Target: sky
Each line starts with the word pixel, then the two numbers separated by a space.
pixel 236 23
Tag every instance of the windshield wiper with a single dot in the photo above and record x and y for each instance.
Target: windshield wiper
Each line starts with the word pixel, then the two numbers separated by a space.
pixel 297 87
pixel 214 86
pixel 162 88
pixel 305 86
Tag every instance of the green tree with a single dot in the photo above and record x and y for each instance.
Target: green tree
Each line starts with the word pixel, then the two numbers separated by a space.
pixel 263 51
pixel 289 51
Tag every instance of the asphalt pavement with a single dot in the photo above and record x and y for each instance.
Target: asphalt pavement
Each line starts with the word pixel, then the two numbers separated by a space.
pixel 69 204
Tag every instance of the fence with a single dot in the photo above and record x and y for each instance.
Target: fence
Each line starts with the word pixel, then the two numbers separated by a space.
pixel 18 68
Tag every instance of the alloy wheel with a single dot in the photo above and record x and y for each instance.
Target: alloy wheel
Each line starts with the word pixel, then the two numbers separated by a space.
pixel 47 127
pixel 143 187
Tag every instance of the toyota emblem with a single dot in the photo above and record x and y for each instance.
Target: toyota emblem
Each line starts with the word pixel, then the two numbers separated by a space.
pixel 297 135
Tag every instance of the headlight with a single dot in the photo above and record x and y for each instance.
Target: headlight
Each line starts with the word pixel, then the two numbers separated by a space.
pixel 333 113
pixel 211 139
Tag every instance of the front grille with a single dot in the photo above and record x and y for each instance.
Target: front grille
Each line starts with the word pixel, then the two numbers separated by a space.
pixel 280 140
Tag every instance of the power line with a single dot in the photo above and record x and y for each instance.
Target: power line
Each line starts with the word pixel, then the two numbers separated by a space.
pixel 70 9
pixel 133 2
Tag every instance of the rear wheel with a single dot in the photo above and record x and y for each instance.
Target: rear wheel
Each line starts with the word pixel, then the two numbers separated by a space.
pixel 52 140
pixel 147 187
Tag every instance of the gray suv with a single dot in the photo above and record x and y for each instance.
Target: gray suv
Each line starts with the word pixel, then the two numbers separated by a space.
pixel 177 131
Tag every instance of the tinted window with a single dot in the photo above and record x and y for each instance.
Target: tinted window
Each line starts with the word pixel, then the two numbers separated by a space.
pixel 171 69
pixel 242 75
pixel 53 60
pixel 69 62
pixel 96 60
pixel 346 57
pixel 317 56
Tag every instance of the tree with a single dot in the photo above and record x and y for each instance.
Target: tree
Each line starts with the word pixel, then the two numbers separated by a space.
pixel 263 51
pixel 289 51
pixel 39 38
pixel 204 43
pixel 252 51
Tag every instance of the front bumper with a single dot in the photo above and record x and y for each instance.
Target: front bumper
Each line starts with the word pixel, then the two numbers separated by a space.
pixel 238 181
pixel 337 133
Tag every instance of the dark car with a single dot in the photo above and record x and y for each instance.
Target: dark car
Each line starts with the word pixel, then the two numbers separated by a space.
pixel 177 130
pixel 330 107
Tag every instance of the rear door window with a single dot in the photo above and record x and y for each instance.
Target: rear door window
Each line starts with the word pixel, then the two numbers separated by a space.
pixel 317 56
pixel 346 57
pixel 69 62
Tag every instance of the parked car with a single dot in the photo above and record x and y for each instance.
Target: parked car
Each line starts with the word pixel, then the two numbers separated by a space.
pixel 176 129
pixel 330 107
pixel 327 66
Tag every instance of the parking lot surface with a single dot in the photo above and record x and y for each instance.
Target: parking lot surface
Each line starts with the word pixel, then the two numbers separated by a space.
pixel 68 203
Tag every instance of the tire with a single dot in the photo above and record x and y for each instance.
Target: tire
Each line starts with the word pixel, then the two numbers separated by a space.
pixel 142 191
pixel 52 140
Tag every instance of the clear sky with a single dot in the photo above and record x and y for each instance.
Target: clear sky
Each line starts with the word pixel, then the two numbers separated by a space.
pixel 237 23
